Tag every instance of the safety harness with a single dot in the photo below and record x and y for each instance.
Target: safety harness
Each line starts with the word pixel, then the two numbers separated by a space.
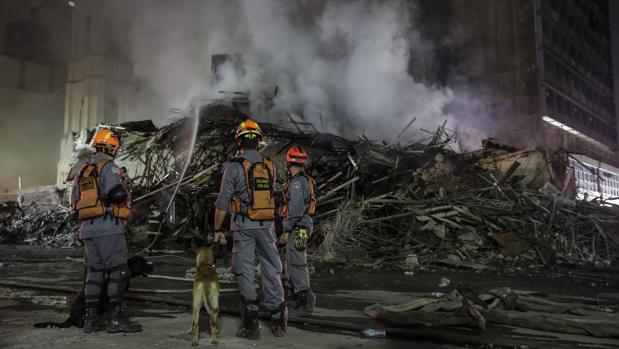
pixel 90 203
pixel 309 202
pixel 259 178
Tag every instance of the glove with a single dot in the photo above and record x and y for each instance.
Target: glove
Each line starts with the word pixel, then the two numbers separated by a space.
pixel 300 240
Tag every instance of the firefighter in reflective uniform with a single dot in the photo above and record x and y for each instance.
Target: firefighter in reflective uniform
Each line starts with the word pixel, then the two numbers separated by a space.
pixel 299 204
pixel 102 203
pixel 247 193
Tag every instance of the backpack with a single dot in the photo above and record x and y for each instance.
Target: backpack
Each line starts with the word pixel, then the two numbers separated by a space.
pixel 259 178
pixel 311 205
pixel 90 204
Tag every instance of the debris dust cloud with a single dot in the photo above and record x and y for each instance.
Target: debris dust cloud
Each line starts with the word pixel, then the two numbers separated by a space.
pixel 342 65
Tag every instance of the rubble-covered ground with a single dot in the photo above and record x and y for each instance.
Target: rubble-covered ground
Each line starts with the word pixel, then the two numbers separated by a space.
pixel 494 233
pixel 343 294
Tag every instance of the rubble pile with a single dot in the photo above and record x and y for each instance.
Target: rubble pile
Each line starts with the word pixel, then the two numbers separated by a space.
pixel 37 225
pixel 528 309
pixel 400 203
pixel 472 227
pixel 403 203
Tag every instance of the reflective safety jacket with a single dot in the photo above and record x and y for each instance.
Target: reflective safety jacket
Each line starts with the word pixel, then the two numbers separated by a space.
pixel 259 178
pixel 299 201
pixel 91 202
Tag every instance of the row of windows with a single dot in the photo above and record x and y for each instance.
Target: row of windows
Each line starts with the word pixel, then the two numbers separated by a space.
pixel 582 16
pixel 577 87
pixel 587 179
pixel 574 116
pixel 599 75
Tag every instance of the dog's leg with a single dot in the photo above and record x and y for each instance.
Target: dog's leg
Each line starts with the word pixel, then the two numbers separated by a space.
pixel 211 300
pixel 198 295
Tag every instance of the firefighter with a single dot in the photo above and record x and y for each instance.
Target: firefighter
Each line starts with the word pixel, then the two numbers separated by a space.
pixel 299 204
pixel 247 193
pixel 102 203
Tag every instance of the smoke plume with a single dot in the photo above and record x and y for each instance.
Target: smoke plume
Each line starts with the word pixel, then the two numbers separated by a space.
pixel 342 65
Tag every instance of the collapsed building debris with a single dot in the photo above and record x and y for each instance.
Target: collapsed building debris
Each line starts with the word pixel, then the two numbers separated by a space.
pixel 467 308
pixel 401 204
pixel 40 225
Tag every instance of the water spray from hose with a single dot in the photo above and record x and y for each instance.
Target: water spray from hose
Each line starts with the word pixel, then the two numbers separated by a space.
pixel 193 124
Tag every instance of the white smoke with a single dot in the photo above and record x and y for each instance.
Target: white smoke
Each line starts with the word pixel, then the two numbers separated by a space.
pixel 343 65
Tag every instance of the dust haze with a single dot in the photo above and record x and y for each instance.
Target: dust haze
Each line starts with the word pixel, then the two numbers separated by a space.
pixel 342 65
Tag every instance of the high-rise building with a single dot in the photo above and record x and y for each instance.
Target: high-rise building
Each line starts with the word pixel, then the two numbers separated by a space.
pixel 544 70
pixel 576 73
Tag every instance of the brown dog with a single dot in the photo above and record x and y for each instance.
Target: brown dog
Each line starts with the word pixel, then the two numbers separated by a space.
pixel 205 290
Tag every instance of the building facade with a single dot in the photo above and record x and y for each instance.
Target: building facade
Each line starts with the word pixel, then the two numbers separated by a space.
pixel 102 88
pixel 576 73
pixel 547 75
pixel 33 72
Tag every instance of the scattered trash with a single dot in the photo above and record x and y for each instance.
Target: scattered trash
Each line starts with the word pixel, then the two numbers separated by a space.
pixel 374 333
pixel 411 261
pixel 444 282
pixel 437 294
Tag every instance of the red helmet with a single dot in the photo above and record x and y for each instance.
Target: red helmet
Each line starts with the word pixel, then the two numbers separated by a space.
pixel 297 155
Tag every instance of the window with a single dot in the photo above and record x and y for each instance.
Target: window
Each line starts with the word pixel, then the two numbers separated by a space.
pixel 550 99
pixel 560 105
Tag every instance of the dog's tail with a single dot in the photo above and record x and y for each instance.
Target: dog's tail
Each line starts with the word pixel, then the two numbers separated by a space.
pixel 48 324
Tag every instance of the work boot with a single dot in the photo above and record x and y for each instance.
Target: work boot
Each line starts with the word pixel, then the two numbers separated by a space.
pixel 304 305
pixel 250 328
pixel 119 322
pixel 279 320
pixel 91 317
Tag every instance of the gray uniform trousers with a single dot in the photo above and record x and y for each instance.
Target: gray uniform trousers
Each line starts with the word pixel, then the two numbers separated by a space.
pixel 246 244
pixel 105 258
pixel 296 265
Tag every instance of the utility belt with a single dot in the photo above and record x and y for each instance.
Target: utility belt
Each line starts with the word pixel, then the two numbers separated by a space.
pixel 109 213
pixel 244 218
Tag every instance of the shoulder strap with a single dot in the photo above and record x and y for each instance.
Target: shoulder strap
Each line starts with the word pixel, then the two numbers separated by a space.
pixel 311 185
pixel 271 171
pixel 86 170
pixel 101 164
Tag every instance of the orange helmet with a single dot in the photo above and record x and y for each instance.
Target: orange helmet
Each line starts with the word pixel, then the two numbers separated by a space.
pixel 297 155
pixel 249 128
pixel 107 140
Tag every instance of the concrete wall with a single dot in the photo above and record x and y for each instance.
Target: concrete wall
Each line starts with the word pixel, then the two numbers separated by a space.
pixel 31 76
pixel 31 125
